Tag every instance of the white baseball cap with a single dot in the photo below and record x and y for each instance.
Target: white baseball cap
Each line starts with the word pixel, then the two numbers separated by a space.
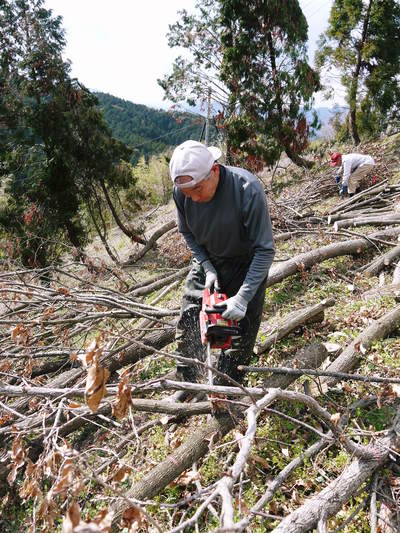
pixel 194 159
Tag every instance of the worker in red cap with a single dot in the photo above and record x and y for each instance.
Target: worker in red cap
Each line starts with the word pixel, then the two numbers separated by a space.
pixel 353 167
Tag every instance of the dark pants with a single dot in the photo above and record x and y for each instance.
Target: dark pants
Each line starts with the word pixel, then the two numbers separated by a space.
pixel 231 274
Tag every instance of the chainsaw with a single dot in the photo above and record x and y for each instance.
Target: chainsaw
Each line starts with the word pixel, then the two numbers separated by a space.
pixel 216 332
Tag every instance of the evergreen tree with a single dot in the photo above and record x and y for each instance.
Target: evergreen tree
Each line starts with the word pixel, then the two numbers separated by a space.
pixel 253 57
pixel 271 83
pixel 54 144
pixel 362 42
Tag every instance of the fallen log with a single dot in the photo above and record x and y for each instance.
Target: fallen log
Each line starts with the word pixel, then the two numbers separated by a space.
pixel 293 321
pixel 375 189
pixel 158 283
pixel 306 260
pixel 396 275
pixel 384 260
pixel 150 243
pixel 354 213
pixel 379 329
pixel 198 443
pixel 365 221
pixel 330 500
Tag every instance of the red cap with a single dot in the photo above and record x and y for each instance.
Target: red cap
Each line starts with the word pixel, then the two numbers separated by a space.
pixel 335 158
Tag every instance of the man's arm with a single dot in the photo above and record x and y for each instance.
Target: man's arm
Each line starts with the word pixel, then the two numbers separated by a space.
pixel 257 222
pixel 346 172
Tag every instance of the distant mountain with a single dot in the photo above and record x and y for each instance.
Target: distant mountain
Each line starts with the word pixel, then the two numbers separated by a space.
pixel 148 131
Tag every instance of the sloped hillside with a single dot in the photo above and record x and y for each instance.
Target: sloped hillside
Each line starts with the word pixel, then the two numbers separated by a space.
pixel 148 131
pixel 92 439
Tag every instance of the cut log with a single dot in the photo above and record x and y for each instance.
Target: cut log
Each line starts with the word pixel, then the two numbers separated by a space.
pixel 365 221
pixel 396 275
pixel 375 189
pixel 305 261
pixel 199 442
pixel 357 213
pixel 293 321
pixel 150 243
pixel 379 329
pixel 382 261
pixel 330 500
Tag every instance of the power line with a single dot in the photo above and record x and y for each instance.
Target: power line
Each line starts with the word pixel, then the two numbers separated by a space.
pixel 161 136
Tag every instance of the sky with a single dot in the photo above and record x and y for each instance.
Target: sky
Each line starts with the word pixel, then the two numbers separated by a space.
pixel 120 47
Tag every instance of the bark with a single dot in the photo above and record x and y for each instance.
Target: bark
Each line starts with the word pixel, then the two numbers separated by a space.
pixel 354 213
pixel 150 243
pixel 365 221
pixel 158 283
pixel 396 275
pixel 306 260
pixel 355 78
pixel 379 329
pixel 200 441
pixel 374 190
pixel 132 234
pixel 382 261
pixel 294 320
pixel 330 500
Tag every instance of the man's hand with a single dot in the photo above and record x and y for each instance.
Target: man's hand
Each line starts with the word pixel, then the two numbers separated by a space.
pixel 211 276
pixel 343 190
pixel 337 179
pixel 236 308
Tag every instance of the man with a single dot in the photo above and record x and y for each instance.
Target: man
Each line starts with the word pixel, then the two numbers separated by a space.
pixel 224 219
pixel 353 167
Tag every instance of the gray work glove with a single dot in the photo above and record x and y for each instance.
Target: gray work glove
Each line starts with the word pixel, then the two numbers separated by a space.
pixel 211 276
pixel 236 308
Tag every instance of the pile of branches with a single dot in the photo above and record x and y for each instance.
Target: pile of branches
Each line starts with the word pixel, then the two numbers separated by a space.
pixel 294 212
pixel 73 351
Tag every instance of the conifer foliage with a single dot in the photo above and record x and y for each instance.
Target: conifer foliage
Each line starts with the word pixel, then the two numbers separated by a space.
pixel 252 57
pixel 362 43
pixel 266 70
pixel 56 152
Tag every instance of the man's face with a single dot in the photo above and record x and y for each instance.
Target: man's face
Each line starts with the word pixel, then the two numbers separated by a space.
pixel 204 190
pixel 338 162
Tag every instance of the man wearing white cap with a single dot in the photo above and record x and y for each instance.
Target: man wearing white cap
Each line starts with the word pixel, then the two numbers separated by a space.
pixel 224 219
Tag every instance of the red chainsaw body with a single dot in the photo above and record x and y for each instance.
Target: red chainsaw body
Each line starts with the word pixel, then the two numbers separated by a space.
pixel 214 329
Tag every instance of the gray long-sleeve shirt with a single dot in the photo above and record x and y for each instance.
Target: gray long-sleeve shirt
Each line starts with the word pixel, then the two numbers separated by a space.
pixel 235 223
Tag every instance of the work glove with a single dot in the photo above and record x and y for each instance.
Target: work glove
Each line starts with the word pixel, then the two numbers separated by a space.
pixel 337 179
pixel 343 190
pixel 211 276
pixel 236 308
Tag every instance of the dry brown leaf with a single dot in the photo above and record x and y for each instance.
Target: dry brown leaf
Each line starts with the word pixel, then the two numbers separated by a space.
pixel 66 477
pixel 121 474
pixel 132 516
pixel 95 386
pixel 124 397
pixel 72 518
pixel 260 460
pixel 17 458
pixel 74 405
pixel 335 418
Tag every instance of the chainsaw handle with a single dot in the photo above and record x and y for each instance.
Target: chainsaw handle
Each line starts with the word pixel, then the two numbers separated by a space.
pixel 212 310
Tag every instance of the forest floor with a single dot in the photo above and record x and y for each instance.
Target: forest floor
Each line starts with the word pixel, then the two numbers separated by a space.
pixel 79 452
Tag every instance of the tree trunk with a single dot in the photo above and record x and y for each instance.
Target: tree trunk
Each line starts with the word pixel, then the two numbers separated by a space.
pixel 200 441
pixel 132 234
pixel 354 82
